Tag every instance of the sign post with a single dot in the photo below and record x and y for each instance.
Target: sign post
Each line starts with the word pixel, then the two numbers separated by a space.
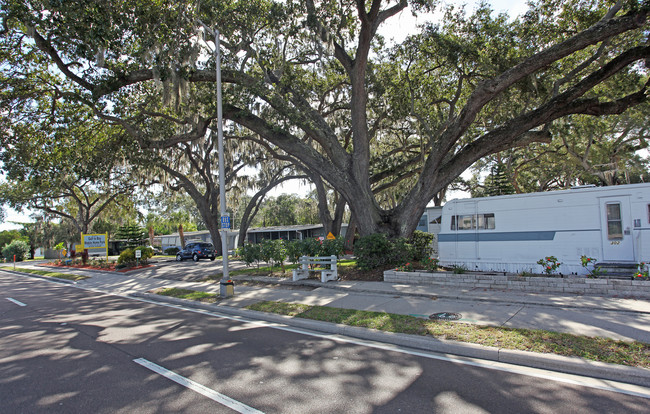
pixel 138 255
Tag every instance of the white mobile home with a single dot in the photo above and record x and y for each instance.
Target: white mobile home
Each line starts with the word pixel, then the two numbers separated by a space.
pixel 511 233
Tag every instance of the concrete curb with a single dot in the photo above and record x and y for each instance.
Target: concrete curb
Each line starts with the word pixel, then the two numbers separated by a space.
pixel 568 365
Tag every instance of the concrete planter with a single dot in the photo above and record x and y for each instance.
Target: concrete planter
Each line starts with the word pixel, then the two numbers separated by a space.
pixel 572 284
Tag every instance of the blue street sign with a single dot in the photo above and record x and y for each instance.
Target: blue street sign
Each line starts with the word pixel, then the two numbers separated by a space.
pixel 225 222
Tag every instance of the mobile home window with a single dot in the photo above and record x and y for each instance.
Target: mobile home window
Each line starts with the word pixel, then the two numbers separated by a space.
pixel 648 213
pixel 472 222
pixel 466 222
pixel 614 222
pixel 486 221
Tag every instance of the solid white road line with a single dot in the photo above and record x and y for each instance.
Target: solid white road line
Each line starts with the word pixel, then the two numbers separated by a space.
pixel 195 386
pixel 19 303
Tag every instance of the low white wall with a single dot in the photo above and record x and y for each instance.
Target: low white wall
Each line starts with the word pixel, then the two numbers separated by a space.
pixel 573 284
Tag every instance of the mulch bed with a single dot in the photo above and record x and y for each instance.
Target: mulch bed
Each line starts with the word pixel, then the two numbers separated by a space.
pixel 374 275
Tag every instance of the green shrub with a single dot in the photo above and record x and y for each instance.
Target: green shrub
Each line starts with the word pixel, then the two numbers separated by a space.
pixel 147 253
pixel 278 252
pixel 401 252
pixel 373 251
pixel 171 251
pixel 127 256
pixel 249 253
pixel 19 248
pixel 294 250
pixel 421 243
pixel 273 251
pixel 332 247
pixel 310 247
pixel 377 250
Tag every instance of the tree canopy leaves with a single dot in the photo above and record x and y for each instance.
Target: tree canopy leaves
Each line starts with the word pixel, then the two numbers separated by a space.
pixel 312 81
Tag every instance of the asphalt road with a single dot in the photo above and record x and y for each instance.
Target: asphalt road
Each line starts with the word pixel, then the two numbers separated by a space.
pixel 63 349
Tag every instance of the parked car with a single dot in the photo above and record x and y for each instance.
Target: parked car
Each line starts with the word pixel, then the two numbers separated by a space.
pixel 196 251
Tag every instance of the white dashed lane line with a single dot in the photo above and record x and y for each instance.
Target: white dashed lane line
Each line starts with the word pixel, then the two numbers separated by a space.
pixel 201 389
pixel 17 302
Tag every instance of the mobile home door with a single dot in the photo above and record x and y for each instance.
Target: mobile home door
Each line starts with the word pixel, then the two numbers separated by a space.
pixel 616 229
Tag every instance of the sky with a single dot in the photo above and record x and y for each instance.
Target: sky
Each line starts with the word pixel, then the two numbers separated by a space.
pixel 395 29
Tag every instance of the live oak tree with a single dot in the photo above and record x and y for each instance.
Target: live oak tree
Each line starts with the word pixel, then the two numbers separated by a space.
pixel 61 166
pixel 309 78
pixel 587 150
pixel 193 168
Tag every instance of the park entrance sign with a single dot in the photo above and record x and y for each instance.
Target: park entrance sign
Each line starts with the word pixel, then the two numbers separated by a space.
pixel 95 241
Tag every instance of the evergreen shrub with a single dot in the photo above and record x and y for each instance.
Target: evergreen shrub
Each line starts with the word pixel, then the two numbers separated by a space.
pixel 19 248
pixel 171 251
pixel 373 251
pixel 127 257
pixel 278 251
pixel 377 250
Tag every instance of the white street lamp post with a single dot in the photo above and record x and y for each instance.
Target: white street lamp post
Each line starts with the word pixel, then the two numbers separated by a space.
pixel 222 178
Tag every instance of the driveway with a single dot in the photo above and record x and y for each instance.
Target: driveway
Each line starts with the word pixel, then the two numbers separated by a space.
pixel 187 270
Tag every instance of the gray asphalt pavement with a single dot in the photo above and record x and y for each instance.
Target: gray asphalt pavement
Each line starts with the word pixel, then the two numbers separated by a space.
pixel 68 350
pixel 612 317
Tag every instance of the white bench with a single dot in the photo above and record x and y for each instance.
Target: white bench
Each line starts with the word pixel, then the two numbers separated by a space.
pixel 326 274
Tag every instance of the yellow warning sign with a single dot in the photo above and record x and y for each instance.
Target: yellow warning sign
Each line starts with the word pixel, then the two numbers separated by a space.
pixel 330 236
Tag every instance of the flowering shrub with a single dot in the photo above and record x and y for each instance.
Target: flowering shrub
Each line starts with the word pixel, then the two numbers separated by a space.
pixel 590 261
pixel 643 273
pixel 549 264
pixel 430 263
pixel 406 267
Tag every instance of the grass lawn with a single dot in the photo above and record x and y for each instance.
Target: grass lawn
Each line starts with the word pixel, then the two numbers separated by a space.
pixel 594 348
pixel 534 340
pixel 58 275
pixel 204 297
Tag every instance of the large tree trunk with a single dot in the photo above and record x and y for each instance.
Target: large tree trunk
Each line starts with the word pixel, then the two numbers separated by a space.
pixel 350 234
pixel 331 224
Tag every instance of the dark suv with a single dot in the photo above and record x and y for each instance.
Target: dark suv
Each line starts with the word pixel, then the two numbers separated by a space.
pixel 196 251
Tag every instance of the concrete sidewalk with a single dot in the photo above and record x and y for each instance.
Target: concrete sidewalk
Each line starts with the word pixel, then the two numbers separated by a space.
pixel 617 318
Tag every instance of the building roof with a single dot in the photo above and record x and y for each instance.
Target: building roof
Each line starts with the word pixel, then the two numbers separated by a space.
pixel 299 227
